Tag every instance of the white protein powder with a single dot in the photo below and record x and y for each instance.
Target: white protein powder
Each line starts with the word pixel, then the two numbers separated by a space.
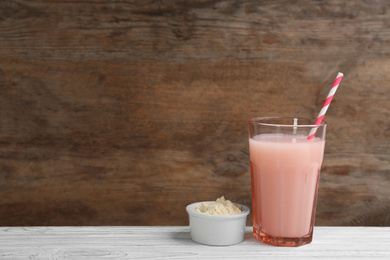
pixel 219 207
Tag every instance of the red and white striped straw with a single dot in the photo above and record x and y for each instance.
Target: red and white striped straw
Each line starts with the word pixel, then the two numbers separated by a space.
pixel 325 107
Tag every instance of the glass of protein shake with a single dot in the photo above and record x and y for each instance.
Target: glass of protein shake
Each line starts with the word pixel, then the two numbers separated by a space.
pixel 285 170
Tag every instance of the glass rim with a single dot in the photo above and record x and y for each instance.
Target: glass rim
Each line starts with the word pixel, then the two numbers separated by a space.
pixel 251 121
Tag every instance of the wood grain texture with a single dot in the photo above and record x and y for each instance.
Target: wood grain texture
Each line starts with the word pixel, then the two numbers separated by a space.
pixel 124 112
pixel 175 243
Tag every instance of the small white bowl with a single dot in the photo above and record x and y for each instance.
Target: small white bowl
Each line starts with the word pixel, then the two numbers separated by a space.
pixel 217 230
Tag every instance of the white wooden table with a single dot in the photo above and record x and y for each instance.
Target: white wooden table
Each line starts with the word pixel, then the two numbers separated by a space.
pixel 175 243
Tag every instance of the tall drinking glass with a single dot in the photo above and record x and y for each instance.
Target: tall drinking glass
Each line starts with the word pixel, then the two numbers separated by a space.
pixel 285 171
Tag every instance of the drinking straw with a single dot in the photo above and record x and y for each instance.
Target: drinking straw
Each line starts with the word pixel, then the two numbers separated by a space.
pixel 325 107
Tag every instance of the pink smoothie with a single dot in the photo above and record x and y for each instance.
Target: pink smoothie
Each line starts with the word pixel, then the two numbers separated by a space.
pixel 285 172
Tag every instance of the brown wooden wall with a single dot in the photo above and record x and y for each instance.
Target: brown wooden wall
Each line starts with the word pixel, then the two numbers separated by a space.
pixel 124 112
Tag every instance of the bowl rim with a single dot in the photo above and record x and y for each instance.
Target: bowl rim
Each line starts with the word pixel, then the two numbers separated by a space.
pixel 190 207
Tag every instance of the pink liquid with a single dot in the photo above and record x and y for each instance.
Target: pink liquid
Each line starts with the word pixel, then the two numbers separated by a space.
pixel 285 172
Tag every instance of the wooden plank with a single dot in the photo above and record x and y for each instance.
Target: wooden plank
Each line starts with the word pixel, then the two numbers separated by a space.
pixel 175 243
pixel 123 113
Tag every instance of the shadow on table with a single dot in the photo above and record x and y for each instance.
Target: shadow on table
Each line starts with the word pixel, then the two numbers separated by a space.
pixel 249 236
pixel 184 237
